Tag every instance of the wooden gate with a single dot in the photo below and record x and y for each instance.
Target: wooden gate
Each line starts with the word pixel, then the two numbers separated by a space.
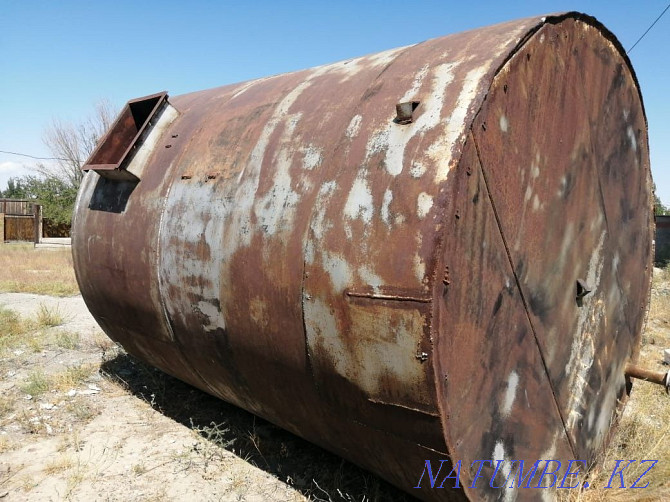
pixel 21 220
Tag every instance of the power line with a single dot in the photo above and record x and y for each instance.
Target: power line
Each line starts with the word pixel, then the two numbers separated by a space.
pixel 650 27
pixel 32 156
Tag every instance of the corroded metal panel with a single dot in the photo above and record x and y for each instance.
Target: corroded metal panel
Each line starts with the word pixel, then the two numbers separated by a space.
pixel 579 210
pixel 489 363
pixel 352 251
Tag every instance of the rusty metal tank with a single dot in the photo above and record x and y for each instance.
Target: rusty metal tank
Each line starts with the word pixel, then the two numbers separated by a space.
pixel 438 252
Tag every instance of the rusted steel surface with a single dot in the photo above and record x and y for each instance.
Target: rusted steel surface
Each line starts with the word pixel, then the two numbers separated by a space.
pixel 394 283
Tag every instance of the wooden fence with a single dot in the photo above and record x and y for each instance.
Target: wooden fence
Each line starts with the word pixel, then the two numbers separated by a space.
pixel 21 220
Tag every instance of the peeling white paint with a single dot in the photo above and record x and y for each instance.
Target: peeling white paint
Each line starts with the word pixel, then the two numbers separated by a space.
pixel 582 352
pixel 419 267
pixel 454 126
pixel 393 138
pixel 423 205
pixel 248 85
pixel 416 85
pixel 562 186
pixel 504 124
pixel 359 202
pixel 354 127
pixel 322 330
pixel 417 169
pixel 238 231
pixel 275 210
pixel 607 407
pixel 372 279
pixel 566 244
pixel 385 209
pixel 528 194
pixel 510 393
pixel 385 349
pixel 213 315
pixel 309 252
pixel 596 222
pixel 536 203
pixel 631 137
pixel 350 67
pixel 197 274
pixel 319 225
pixel 535 171
pixel 338 269
pixel 432 105
pixel 500 454
pixel 313 157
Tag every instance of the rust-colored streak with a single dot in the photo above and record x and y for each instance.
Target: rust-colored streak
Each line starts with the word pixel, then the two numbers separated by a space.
pixel 382 255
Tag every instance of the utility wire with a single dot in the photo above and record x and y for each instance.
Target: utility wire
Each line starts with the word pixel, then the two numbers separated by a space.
pixel 32 156
pixel 648 29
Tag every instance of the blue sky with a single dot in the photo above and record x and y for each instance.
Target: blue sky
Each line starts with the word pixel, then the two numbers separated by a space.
pixel 58 58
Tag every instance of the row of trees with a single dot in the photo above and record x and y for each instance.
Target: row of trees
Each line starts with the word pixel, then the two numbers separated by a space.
pixel 55 185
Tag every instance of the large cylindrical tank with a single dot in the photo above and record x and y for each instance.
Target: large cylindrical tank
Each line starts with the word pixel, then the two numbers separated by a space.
pixel 438 252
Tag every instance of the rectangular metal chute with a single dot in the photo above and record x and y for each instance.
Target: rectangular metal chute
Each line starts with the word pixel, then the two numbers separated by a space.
pixel 110 157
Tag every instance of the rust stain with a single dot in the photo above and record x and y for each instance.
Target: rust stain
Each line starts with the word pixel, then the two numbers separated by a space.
pixel 384 234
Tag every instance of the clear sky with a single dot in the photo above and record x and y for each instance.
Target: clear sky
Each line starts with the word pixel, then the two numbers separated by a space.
pixel 58 58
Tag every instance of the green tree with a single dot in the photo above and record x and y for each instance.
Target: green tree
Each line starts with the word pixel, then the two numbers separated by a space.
pixel 659 207
pixel 15 189
pixel 56 196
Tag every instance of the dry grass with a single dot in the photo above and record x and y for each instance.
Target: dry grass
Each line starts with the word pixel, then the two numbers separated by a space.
pixel 5 444
pixel 60 464
pixel 24 269
pixel 73 376
pixel 48 317
pixel 12 329
pixel 69 340
pixel 6 406
pixel 84 412
pixel 37 383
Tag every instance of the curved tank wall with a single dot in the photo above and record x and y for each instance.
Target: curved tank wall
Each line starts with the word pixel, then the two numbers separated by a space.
pixel 460 277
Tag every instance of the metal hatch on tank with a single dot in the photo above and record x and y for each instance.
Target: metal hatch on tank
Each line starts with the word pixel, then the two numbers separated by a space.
pixel 438 252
